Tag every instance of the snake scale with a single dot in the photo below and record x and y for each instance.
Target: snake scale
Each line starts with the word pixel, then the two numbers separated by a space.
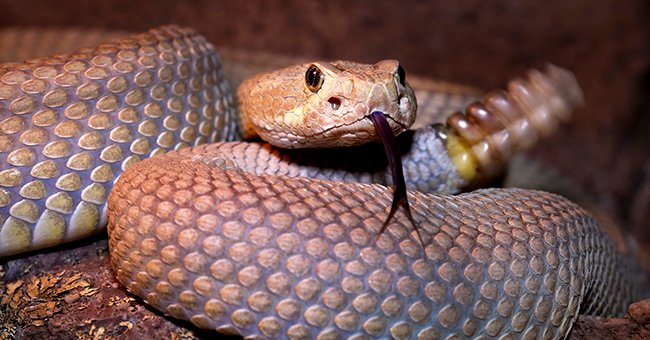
pixel 248 239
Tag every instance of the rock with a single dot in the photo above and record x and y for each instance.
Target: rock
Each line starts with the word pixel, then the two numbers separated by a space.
pixel 72 293
pixel 635 325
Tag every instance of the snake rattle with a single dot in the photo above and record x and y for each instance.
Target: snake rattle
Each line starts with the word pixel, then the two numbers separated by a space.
pixel 245 238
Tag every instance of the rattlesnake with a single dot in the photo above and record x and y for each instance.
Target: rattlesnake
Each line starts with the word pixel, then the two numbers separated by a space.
pixel 236 237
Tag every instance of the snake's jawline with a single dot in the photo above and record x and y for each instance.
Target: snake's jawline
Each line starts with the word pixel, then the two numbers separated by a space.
pixel 369 157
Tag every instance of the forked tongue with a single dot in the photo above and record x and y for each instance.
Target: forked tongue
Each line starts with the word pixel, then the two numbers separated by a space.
pixel 399 187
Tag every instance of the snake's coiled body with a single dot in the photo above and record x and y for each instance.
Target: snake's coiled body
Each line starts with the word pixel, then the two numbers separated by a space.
pixel 226 236
pixel 71 123
pixel 279 256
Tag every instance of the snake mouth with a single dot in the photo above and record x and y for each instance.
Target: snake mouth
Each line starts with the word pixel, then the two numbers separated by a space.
pixel 347 134
pixel 400 198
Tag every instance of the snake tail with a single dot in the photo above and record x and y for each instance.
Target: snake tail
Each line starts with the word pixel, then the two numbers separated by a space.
pixel 487 134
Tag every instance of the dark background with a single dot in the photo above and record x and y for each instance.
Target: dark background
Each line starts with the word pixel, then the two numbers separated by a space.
pixel 483 43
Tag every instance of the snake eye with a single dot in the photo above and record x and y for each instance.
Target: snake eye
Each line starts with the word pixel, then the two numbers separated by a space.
pixel 314 78
pixel 401 75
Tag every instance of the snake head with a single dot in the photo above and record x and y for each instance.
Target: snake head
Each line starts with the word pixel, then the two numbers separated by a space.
pixel 326 104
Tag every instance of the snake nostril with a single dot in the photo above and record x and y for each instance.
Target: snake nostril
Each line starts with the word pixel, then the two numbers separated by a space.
pixel 334 102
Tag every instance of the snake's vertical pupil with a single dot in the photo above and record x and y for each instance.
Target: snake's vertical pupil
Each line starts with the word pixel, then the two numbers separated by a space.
pixel 314 78
pixel 401 75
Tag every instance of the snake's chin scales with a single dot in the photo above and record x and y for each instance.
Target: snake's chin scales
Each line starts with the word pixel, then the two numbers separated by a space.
pixel 250 238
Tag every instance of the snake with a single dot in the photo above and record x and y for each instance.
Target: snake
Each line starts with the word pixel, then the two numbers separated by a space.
pixel 308 229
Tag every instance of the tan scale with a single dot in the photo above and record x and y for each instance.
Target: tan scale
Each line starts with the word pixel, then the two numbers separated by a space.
pixel 58 99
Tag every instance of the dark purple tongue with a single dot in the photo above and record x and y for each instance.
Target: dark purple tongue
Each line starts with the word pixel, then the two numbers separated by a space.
pixel 392 153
